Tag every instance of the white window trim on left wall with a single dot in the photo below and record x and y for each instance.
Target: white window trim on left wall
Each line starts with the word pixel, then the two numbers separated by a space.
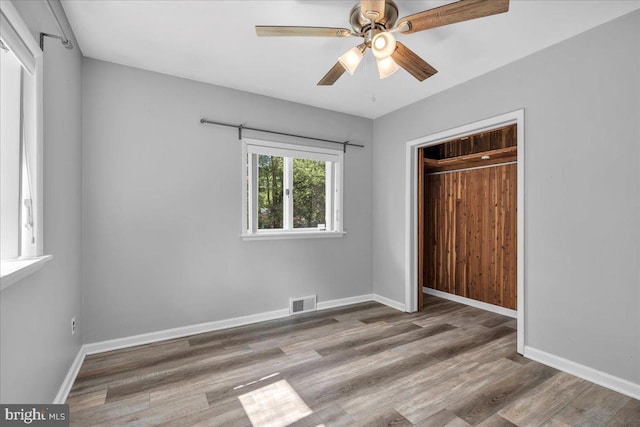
pixel 15 31
pixel 335 158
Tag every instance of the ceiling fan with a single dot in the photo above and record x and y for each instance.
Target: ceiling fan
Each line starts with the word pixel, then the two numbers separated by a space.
pixel 374 21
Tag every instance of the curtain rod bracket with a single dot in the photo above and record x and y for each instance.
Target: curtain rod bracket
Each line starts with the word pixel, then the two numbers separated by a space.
pixel 240 132
pixel 63 35
pixel 65 43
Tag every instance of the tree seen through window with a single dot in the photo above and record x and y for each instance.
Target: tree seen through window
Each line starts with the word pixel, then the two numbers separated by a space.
pixel 270 189
pixel 309 192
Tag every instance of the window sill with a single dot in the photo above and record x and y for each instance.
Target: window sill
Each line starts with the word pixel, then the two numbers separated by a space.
pixel 14 270
pixel 294 235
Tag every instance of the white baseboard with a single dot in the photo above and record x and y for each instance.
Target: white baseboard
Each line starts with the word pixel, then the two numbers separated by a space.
pixel 183 331
pixel 323 305
pixel 473 303
pixel 387 301
pixel 65 388
pixel 598 377
pixel 606 380
pixel 167 334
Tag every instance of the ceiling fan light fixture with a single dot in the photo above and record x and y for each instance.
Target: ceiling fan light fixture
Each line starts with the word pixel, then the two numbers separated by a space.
pixel 383 45
pixel 386 67
pixel 351 59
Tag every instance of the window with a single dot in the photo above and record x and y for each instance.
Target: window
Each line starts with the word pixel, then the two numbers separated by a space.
pixel 20 146
pixel 291 191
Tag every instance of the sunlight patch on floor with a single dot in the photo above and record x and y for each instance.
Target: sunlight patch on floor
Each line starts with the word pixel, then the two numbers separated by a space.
pixel 256 381
pixel 274 405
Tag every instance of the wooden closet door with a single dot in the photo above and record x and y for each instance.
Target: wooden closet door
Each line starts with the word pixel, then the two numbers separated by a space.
pixel 470 234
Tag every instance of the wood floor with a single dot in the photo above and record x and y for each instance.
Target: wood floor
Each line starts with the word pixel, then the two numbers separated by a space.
pixel 365 364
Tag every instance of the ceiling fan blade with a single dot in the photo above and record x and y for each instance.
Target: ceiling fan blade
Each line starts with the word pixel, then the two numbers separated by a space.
pixel 285 31
pixel 332 76
pixel 459 11
pixel 411 62
pixel 372 9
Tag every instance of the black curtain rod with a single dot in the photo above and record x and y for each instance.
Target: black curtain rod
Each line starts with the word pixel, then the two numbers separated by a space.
pixel 242 127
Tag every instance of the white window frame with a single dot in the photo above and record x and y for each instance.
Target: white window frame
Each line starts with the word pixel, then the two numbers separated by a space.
pixel 251 148
pixel 19 39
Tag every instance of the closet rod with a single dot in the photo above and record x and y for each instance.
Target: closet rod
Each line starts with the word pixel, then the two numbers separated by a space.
pixel 473 168
pixel 242 127
pixel 63 38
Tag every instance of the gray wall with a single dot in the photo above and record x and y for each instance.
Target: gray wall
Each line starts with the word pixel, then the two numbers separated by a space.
pixel 161 200
pixel 162 206
pixel 36 347
pixel 582 204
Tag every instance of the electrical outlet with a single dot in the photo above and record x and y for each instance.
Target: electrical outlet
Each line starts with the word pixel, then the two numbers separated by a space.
pixel 73 326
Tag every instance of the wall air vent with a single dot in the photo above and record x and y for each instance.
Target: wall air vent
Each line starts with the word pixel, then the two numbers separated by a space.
pixel 302 305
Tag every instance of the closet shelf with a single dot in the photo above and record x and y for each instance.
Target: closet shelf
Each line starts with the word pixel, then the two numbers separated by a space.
pixel 500 155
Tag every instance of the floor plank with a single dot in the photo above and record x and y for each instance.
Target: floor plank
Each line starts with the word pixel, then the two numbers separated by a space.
pixel 596 406
pixel 109 411
pixel 158 415
pixel 391 418
pixel 629 415
pixel 545 400
pixel 497 394
pixel 444 417
pixel 87 400
pixel 363 365
pixel 496 421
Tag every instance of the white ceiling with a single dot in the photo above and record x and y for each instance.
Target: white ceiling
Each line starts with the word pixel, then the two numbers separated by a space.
pixel 215 42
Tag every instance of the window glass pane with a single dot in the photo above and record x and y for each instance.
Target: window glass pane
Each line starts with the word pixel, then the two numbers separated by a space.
pixel 10 77
pixel 309 194
pixel 270 188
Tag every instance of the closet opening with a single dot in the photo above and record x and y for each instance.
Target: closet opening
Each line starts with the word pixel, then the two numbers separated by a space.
pixel 468 224
pixel 466 220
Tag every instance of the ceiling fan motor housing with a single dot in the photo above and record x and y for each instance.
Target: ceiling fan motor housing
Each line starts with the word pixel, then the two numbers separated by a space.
pixel 361 23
